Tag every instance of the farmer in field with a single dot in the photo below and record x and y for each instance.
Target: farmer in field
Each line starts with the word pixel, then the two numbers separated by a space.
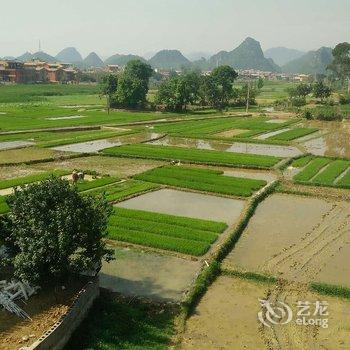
pixel 75 177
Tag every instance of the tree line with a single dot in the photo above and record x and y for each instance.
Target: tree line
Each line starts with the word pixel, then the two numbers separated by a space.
pixel 176 93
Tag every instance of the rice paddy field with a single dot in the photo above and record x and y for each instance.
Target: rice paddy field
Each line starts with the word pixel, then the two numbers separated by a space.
pixel 323 171
pixel 193 156
pixel 212 211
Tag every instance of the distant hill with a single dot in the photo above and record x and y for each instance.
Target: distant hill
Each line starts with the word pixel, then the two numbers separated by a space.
pixel 122 60
pixel 248 55
pixel 69 55
pixel 168 59
pixel 92 60
pixel 27 56
pixel 43 56
pixel 313 62
pixel 283 55
pixel 40 56
pixel 198 55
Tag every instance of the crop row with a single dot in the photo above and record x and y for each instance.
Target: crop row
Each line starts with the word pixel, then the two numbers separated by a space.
pixel 19 181
pixel 193 155
pixel 180 234
pixel 293 134
pixel 198 224
pixel 202 180
pixel 213 126
pixel 100 182
pixel 323 171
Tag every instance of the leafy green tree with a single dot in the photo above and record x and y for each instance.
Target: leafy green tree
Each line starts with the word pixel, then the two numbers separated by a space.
pixel 224 77
pixel 301 90
pixel 108 88
pixel 133 84
pixel 260 83
pixel 321 91
pixel 341 62
pixel 179 91
pixel 53 232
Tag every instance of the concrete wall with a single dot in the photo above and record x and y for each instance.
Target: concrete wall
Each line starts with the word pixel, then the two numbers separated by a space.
pixel 59 334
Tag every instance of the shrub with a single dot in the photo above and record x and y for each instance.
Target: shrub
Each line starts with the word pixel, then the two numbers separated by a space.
pixel 344 99
pixel 53 232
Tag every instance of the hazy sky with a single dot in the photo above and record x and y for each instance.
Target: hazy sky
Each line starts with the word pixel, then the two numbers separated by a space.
pixel 141 26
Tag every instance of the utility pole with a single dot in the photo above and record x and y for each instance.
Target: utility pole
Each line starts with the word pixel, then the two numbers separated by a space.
pixel 248 97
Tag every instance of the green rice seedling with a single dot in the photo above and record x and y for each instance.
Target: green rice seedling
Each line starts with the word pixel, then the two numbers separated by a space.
pixel 202 180
pixel 180 245
pixel 328 289
pixel 193 155
pixel 293 134
pixel 119 191
pixel 311 169
pixel 162 229
pixel 345 180
pixel 199 224
pixel 19 181
pixel 103 181
pixel 301 162
pixel 331 172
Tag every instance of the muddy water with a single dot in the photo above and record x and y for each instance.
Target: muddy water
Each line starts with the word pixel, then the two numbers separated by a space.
pixel 277 121
pixel 98 145
pixel 14 144
pixel 148 275
pixel 279 222
pixel 266 176
pixel 87 147
pixel 309 240
pixel 271 133
pixel 195 205
pixel 335 141
pixel 238 147
pixel 69 117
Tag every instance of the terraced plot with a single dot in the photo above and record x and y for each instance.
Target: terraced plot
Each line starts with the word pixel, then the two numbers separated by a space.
pixel 119 191
pixel 180 234
pixel 54 139
pixel 190 155
pixel 323 171
pixel 293 134
pixel 218 125
pixel 307 238
pixel 203 180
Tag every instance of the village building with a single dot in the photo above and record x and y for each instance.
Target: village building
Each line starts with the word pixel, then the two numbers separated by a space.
pixel 37 72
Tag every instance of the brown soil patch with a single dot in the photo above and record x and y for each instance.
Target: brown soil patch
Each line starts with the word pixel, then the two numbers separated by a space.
pixel 308 240
pixel 231 133
pixel 121 167
pixel 226 318
pixel 45 309
pixel 26 155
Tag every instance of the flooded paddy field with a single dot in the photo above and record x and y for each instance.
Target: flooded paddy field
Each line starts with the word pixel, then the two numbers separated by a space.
pixel 14 144
pixel 98 145
pixel 189 204
pixel 333 141
pixel 236 147
pixel 251 174
pixel 226 318
pixel 150 275
pixel 296 238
